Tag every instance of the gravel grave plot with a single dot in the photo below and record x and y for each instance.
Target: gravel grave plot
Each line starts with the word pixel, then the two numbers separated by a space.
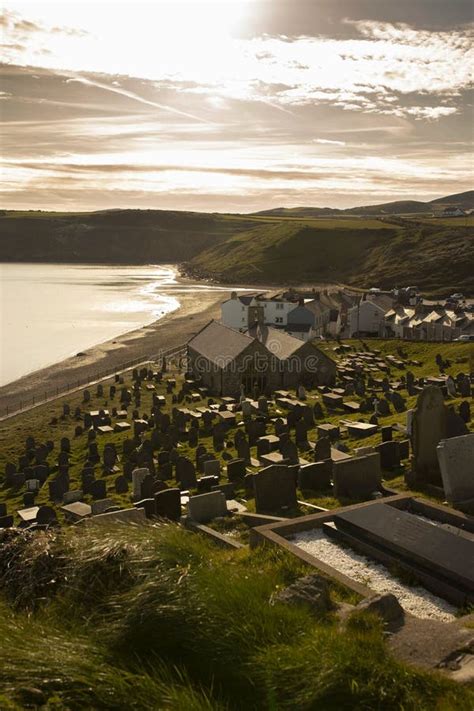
pixel 414 599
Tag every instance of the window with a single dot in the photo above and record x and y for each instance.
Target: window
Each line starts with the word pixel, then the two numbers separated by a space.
pixel 279 306
pixel 278 319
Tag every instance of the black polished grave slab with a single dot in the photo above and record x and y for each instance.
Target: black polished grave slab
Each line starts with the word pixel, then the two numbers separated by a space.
pixel 431 547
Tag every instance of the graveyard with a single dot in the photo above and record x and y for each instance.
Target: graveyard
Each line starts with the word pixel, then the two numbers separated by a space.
pixel 242 505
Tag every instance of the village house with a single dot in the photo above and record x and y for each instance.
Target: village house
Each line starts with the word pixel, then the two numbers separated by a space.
pixel 242 311
pixel 308 319
pixel 368 317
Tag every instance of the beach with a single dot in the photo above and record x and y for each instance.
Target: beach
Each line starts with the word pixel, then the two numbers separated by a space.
pixel 197 307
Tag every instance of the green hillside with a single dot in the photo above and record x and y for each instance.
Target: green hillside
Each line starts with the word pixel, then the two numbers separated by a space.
pixel 438 258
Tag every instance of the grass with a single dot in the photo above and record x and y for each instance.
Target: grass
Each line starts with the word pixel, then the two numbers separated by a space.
pixel 181 624
pixel 435 256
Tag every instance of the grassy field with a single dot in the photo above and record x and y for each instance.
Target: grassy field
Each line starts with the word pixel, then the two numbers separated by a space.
pixel 155 617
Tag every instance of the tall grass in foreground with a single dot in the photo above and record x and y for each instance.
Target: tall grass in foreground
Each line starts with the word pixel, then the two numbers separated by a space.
pixel 155 617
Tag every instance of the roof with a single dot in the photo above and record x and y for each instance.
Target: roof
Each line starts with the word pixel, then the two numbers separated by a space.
pixel 246 299
pixel 316 307
pixel 219 344
pixel 383 301
pixel 300 327
pixel 280 343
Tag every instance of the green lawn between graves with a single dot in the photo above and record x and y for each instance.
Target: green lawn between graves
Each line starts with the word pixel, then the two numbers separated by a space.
pixel 156 617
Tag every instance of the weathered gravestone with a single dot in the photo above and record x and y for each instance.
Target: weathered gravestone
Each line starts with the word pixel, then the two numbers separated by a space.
pixel 236 470
pixel 121 485
pixel 316 476
pixel 101 506
pixel 274 488
pixel 389 454
pixel 185 473
pixel 205 507
pixel 205 483
pixel 429 427
pixel 357 477
pixel 98 489
pixel 138 476
pixel 168 504
pixel 456 460
pixel 322 449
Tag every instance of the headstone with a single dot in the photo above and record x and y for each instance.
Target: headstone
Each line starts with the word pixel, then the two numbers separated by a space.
pixel 185 473
pixel 316 476
pixel 236 470
pixel 101 506
pixel 121 485
pixel 98 489
pixel 455 425
pixel 46 515
pixel 212 467
pixel 389 455
pixel 451 386
pixel 205 483
pixel 147 488
pixel 322 449
pixel 275 489
pixel 205 507
pixel 70 497
pixel 357 477
pixel 138 476
pixel 456 460
pixel 168 504
pixel 429 428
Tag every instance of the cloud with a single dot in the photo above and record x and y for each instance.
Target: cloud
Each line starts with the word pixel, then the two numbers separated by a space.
pixel 327 141
pixel 386 68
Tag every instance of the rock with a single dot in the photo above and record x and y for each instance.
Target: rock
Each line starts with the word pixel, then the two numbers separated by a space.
pixel 312 591
pixel 386 606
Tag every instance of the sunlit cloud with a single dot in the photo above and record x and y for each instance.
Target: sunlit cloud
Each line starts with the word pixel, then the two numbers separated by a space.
pixel 197 112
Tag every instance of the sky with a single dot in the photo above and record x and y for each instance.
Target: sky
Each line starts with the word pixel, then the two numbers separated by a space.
pixel 234 106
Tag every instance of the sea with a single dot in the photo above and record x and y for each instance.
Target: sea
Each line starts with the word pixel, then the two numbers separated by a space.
pixel 49 312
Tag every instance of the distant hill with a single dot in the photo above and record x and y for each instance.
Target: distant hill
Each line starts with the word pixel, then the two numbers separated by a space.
pixel 462 200
pixel 400 207
pixel 438 258
pixel 111 236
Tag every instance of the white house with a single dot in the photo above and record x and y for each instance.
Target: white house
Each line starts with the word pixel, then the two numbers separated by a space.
pixel 276 310
pixel 241 311
pixel 366 319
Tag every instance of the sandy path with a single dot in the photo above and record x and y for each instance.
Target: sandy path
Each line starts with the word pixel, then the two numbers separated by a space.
pixel 197 308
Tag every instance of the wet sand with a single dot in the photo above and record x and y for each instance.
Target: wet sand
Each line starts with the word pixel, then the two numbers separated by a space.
pixel 197 308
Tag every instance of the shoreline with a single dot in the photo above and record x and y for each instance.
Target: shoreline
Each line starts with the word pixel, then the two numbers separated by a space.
pixel 175 328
